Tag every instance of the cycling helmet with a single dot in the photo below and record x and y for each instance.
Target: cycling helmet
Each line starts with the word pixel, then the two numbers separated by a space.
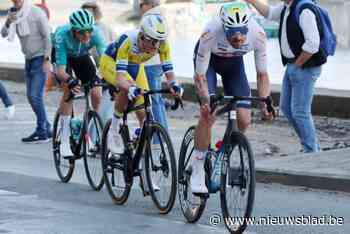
pixel 81 20
pixel 235 17
pixel 154 26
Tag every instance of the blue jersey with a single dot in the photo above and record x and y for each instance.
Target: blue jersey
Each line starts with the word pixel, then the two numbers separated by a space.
pixel 67 46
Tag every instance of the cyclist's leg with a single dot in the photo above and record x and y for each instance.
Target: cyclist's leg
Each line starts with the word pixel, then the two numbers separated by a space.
pixel 235 83
pixel 109 74
pixel 138 73
pixel 85 70
pixel 203 134
pixel 65 110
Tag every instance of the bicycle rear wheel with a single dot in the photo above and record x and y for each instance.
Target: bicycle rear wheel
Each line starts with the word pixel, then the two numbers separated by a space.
pixel 237 189
pixel 160 166
pixel 64 167
pixel 115 171
pixel 92 150
pixel 192 206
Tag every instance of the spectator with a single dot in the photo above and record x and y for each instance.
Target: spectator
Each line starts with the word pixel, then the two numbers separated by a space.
pixel 34 36
pixel 9 106
pixel 153 68
pixel 300 43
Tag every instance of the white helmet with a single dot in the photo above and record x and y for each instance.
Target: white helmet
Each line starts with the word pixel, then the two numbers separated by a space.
pixel 154 26
pixel 235 14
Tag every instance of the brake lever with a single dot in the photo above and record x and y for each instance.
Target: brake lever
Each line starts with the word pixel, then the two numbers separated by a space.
pixel 178 102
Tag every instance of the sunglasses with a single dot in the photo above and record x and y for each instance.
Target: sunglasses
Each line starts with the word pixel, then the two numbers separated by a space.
pixel 231 32
pixel 84 31
pixel 149 40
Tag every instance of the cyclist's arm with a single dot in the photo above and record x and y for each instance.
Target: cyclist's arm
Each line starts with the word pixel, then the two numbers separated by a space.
pixel 122 57
pixel 61 57
pixel 202 56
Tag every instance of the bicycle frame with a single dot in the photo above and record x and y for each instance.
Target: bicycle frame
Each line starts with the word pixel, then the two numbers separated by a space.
pixel 144 135
pixel 231 111
pixel 88 107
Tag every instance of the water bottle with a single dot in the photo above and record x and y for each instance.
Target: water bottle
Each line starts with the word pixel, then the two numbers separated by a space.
pixel 216 165
pixel 75 126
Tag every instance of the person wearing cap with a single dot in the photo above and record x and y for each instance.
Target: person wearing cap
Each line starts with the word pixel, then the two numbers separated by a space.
pixel 106 107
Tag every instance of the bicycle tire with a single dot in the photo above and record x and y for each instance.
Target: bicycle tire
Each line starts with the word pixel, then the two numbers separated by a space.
pixel 151 165
pixel 93 168
pixel 191 213
pixel 64 176
pixel 236 224
pixel 109 169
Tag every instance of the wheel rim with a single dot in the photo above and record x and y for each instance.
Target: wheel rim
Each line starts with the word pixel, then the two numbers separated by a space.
pixel 114 169
pixel 63 166
pixel 162 174
pixel 93 152
pixel 238 190
pixel 191 205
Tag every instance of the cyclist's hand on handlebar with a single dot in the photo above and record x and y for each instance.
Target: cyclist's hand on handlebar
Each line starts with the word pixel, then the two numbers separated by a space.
pixel 176 89
pixel 134 92
pixel 73 85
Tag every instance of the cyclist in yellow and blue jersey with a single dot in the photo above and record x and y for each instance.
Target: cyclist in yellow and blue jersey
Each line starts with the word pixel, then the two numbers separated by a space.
pixel 121 65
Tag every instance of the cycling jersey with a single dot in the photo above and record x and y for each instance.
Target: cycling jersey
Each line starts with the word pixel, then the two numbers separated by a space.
pixel 213 41
pixel 67 46
pixel 126 51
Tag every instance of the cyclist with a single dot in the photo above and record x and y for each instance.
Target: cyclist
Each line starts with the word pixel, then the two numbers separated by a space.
pixel 220 50
pixel 72 43
pixel 121 66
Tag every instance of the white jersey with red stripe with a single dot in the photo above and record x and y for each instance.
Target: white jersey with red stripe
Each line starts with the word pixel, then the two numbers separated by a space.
pixel 213 41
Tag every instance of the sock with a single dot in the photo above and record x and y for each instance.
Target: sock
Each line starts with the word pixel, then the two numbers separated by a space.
pixel 199 155
pixel 65 128
pixel 115 123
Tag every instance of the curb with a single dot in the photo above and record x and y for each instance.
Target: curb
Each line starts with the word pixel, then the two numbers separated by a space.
pixel 327 102
pixel 314 181
pixel 327 170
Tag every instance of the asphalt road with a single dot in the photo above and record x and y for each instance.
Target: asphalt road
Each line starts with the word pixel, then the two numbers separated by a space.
pixel 32 200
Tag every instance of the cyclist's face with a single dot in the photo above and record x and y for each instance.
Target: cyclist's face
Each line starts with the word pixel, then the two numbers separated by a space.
pixel 237 40
pixel 147 44
pixel 83 36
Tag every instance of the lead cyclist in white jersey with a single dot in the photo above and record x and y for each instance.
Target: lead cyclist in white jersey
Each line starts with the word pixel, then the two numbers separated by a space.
pixel 220 51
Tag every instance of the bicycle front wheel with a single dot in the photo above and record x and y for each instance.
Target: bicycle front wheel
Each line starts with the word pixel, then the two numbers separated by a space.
pixel 64 167
pixel 192 206
pixel 115 171
pixel 237 183
pixel 160 166
pixel 92 146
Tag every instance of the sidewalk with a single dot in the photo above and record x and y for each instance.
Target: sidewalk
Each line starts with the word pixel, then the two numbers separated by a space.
pixel 328 170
